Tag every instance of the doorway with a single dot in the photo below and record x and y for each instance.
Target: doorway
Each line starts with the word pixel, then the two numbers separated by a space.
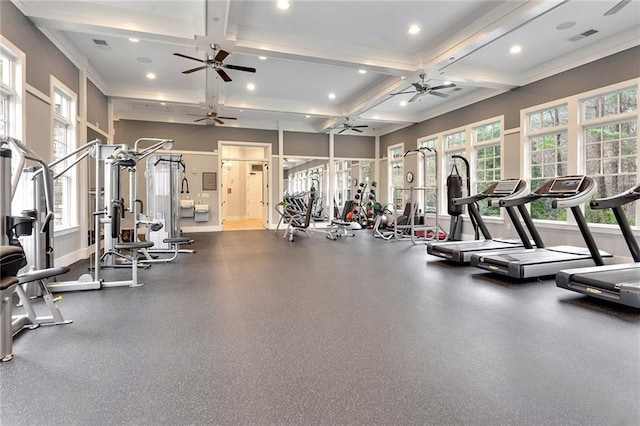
pixel 244 171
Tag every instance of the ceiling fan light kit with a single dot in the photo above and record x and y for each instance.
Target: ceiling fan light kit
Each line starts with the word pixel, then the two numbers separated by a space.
pixel 422 87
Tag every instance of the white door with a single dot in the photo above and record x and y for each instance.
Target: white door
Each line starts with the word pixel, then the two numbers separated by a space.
pixel 254 193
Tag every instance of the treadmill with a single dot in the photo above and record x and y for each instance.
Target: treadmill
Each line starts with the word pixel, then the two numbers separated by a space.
pixel 461 251
pixel 618 283
pixel 565 192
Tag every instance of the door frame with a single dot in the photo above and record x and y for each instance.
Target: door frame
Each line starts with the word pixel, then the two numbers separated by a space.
pixel 267 183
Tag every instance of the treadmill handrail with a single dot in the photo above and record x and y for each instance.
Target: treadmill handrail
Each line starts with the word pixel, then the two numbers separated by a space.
pixel 620 199
pixel 580 198
pixel 521 188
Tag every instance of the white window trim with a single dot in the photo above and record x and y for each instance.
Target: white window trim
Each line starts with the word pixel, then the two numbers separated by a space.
pixel 74 201
pixel 17 111
pixel 575 135
pixel 390 162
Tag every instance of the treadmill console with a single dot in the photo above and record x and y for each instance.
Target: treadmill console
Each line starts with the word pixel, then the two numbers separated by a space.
pixel 505 187
pixel 566 185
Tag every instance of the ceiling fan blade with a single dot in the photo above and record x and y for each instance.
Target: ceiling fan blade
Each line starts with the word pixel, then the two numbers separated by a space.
pixel 200 119
pixel 361 126
pixel 189 57
pixel 221 55
pixel 419 87
pixel 439 94
pixel 217 120
pixel 194 69
pixel 356 130
pixel 342 131
pixel 443 86
pixel 223 74
pixel 416 96
pixel 227 118
pixel 403 92
pixel 239 68
pixel 195 115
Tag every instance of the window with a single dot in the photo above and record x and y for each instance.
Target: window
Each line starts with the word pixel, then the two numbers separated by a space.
pixel 64 117
pixel 10 89
pixel 343 182
pixel 431 177
pixel 486 141
pixel 547 140
pixel 610 137
pixel 396 171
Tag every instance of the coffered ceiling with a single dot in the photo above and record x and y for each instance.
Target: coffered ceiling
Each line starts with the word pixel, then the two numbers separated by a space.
pixel 358 50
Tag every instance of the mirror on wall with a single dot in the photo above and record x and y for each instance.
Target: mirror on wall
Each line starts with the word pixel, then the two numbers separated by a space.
pixel 354 180
pixel 305 175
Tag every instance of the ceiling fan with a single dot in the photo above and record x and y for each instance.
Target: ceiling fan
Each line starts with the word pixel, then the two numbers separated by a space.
pixel 348 126
pixel 212 115
pixel 214 60
pixel 422 87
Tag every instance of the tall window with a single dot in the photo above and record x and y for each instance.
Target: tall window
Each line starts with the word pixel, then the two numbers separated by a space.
pixel 431 178
pixel 64 116
pixel 486 142
pixel 10 86
pixel 547 139
pixel 396 171
pixel 343 182
pixel 610 134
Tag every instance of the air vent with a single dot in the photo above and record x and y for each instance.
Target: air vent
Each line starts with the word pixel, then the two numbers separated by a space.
pixel 101 44
pixel 583 35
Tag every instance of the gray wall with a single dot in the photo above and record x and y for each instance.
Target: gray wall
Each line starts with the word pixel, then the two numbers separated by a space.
pixel 43 58
pixel 353 146
pixel 305 144
pixel 97 107
pixel 191 137
pixel 610 70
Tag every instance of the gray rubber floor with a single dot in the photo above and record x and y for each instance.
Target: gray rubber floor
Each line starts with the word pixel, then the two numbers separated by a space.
pixel 253 329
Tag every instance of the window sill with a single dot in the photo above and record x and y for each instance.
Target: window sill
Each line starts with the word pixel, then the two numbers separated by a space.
pixel 66 231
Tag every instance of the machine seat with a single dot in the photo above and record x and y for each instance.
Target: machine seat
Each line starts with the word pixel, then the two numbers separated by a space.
pixel 133 246
pixel 7 282
pixel 179 240
pixel 12 258
pixel 41 274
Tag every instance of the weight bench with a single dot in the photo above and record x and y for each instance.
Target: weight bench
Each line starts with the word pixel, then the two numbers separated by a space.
pixel 133 249
pixel 175 244
pixel 339 228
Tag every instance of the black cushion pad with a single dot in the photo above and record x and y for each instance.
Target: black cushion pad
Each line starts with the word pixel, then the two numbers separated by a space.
pixel 12 258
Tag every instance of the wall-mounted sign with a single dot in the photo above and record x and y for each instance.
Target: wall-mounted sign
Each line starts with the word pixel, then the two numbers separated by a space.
pixel 209 181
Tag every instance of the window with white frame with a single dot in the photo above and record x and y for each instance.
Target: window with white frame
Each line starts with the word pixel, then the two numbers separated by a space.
pixel 10 86
pixel 396 171
pixel 343 182
pixel 547 139
pixel 64 141
pixel 486 143
pixel 455 144
pixel 610 138
pixel 430 171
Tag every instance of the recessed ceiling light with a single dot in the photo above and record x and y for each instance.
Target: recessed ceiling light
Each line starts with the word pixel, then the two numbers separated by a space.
pixel 565 25
pixel 163 103
pixel 362 71
pixel 134 40
pixel 413 29
pixel 143 60
pixel 151 76
pixel 283 4
pixel 332 95
pixel 262 58
pixel 516 48
pixel 403 103
pixel 447 82
pixel 251 87
pixel 307 116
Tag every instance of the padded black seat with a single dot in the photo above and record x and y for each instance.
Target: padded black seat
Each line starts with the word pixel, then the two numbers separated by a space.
pixel 12 258
pixel 42 274
pixel 7 282
pixel 133 246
